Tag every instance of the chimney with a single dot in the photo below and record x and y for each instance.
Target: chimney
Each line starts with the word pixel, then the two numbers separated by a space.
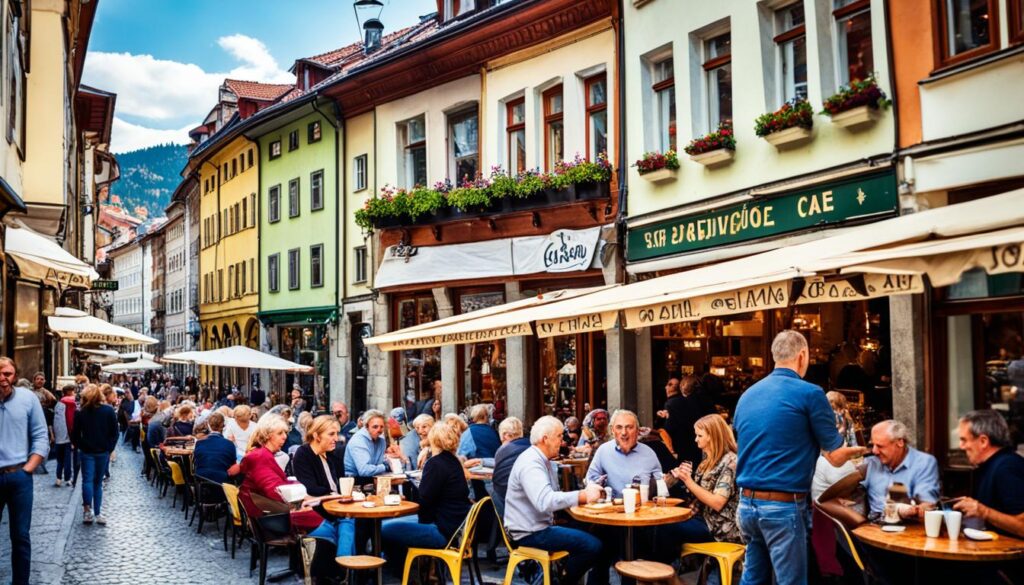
pixel 374 31
pixel 368 13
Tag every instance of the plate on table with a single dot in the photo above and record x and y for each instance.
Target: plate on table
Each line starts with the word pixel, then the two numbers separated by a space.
pixel 598 506
pixel 893 528
pixel 974 534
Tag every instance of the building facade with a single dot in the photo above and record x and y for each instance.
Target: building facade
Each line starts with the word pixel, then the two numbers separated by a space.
pixel 126 267
pixel 175 284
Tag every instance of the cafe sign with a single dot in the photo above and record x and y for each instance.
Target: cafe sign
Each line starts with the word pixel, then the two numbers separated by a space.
pixel 823 205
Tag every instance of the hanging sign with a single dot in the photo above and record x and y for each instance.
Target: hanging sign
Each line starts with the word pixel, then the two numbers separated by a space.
pixel 559 251
pixel 826 204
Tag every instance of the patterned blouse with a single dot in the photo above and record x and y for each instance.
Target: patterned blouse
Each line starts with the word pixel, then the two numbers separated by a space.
pixel 721 480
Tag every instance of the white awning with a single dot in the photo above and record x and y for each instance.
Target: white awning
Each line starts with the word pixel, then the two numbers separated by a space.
pixel 39 257
pixel 136 355
pixel 142 365
pixel 75 325
pixel 237 356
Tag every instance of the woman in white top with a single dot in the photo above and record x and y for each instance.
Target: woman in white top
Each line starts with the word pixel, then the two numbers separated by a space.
pixel 239 429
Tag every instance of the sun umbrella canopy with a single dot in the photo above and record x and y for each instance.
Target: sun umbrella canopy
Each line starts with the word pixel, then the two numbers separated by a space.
pixel 75 325
pixel 237 356
pixel 40 257
pixel 136 366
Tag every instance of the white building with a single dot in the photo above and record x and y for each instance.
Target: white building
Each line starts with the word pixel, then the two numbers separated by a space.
pixel 127 269
pixel 176 271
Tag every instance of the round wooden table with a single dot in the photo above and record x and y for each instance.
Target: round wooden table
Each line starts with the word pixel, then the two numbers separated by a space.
pixel 358 511
pixel 646 515
pixel 913 542
pixel 178 452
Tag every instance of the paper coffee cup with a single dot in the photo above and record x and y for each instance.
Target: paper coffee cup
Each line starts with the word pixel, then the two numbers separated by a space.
pixel 396 465
pixel 953 520
pixel 345 485
pixel 645 490
pixel 932 523
pixel 629 498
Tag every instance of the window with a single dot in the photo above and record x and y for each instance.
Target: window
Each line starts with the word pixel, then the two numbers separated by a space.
pixel 359 172
pixel 554 128
pixel 1016 21
pixel 275 149
pixel 273 272
pixel 249 157
pixel 316 266
pixel 15 86
pixel 718 68
pixel 238 217
pixel 226 175
pixel 313 132
pixel 245 212
pixel 220 284
pixel 293 269
pixel 414 139
pixel 316 190
pixel 791 47
pixel 463 141
pixel 274 204
pixel 252 209
pixel 293 140
pixel 515 127
pixel 234 167
pixel 241 266
pixel 664 89
pixel 252 274
pixel 596 89
pixel 969 28
pixel 232 281
pixel 360 264
pixel 293 198
pixel 853 40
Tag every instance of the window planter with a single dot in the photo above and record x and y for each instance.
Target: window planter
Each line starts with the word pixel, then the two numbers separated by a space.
pixel 857 117
pixel 592 190
pixel 560 196
pixel 660 176
pixel 715 157
pixel 789 137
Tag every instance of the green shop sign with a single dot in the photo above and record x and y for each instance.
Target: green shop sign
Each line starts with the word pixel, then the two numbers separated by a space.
pixel 827 204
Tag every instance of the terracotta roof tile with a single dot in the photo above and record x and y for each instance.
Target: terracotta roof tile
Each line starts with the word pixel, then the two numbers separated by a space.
pixel 332 59
pixel 265 92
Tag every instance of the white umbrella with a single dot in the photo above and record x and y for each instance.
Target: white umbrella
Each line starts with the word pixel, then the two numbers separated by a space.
pixel 137 355
pixel 75 325
pixel 136 366
pixel 237 356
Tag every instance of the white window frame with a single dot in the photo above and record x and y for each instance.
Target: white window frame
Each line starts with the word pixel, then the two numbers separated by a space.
pixel 359 264
pixel 785 54
pixel 274 204
pixel 453 119
pixel 294 268
pixel 359 168
pixel 294 202
pixel 274 272
pixel 316 268
pixel 316 190
pixel 409 148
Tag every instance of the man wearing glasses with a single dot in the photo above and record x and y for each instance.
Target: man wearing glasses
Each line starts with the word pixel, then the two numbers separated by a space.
pixel 24 445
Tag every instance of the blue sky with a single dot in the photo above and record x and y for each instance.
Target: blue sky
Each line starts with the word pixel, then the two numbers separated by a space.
pixel 165 58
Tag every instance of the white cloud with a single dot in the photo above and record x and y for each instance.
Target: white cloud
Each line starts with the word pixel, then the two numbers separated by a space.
pixel 161 92
pixel 126 136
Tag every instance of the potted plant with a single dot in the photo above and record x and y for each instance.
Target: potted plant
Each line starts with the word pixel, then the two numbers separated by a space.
pixel 658 167
pixel 789 125
pixel 589 179
pixel 714 148
pixel 856 105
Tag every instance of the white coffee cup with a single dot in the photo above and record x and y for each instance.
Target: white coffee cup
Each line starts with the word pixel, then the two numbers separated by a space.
pixel 932 523
pixel 629 497
pixel 345 485
pixel 953 519
pixel 396 465
pixel 645 490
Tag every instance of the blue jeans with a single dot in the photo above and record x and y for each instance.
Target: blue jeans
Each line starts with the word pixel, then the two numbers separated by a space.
pixel 16 493
pixel 584 550
pixel 64 460
pixel 93 466
pixel 776 537
pixel 400 534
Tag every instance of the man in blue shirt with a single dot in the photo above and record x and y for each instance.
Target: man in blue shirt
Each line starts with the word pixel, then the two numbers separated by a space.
pixel 215 456
pixel 619 461
pixel 998 496
pixel 24 445
pixel 782 423
pixel 366 451
pixel 895 461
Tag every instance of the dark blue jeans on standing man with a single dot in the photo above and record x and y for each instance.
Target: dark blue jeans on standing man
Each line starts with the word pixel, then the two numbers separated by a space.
pixel 584 551
pixel 776 537
pixel 93 467
pixel 16 495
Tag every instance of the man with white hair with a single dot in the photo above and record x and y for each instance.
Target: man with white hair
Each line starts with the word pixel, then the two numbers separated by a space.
pixel 782 423
pixel 619 461
pixel 895 461
pixel 533 498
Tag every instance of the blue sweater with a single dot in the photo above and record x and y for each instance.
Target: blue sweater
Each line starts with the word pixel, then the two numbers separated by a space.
pixel 213 456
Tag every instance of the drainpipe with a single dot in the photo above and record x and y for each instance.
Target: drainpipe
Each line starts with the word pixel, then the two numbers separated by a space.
pixel 620 74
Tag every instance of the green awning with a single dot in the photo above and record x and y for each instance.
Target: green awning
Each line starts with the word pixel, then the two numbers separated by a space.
pixel 314 315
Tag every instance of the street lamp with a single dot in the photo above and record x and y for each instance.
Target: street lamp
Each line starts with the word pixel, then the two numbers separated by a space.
pixel 368 17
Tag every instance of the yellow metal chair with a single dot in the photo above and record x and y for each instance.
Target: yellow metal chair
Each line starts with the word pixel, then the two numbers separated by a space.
pixel 237 522
pixel 458 549
pixel 726 553
pixel 178 479
pixel 520 554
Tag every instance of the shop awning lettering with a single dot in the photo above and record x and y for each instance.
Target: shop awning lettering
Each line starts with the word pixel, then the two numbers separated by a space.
pixel 574 325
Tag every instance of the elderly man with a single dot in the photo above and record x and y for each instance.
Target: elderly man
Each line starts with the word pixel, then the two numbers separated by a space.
pixel 340 412
pixel 533 497
pixel 412 442
pixel 480 441
pixel 366 452
pixel 24 445
pixel 998 494
pixel 513 443
pixel 896 461
pixel 617 462
pixel 782 423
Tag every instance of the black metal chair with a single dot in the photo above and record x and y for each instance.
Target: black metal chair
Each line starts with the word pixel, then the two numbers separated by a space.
pixel 209 502
pixel 269 531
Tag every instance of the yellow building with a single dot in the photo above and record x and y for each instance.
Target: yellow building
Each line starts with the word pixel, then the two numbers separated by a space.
pixel 225 165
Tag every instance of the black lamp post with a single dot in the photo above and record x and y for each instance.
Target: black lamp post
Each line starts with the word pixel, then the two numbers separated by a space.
pixel 368 17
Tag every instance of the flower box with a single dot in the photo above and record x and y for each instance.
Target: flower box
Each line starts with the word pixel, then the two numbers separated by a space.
pixel 592 190
pixel 660 176
pixel 560 196
pixel 856 117
pixel 714 157
pixel 789 137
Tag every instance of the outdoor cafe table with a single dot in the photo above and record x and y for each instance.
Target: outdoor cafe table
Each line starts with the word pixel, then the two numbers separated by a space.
pixel 358 511
pixel 178 451
pixel 913 542
pixel 645 515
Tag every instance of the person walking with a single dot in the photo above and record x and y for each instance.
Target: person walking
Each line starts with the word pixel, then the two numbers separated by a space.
pixel 63 423
pixel 24 445
pixel 95 434
pixel 782 423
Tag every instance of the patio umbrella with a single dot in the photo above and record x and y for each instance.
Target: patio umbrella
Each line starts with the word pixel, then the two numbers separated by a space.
pixel 75 325
pixel 136 366
pixel 237 356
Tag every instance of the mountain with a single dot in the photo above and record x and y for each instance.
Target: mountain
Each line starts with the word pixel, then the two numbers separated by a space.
pixel 149 177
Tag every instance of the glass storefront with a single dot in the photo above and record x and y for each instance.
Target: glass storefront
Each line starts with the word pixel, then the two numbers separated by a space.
pixel 307 345
pixel 417 368
pixel 483 364
pixel 28 336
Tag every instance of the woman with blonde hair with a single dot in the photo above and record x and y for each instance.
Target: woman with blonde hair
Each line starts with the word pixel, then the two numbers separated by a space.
pixel 95 434
pixel 312 462
pixel 714 487
pixel 844 422
pixel 239 428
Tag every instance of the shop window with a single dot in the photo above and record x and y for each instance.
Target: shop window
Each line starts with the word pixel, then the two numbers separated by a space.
pixel 969 28
pixel 293 198
pixel 515 130
pixel 359 264
pixel 359 172
pixel 417 368
pixel 273 272
pixel 274 204
pixel 791 46
pixel 316 266
pixel 718 71
pixel 293 269
pixel 316 190
pixel 854 52
pixel 275 149
pixel 596 90
pixel 664 92
pixel 293 140
pixel 1016 17
pixel 28 337
pixel 413 138
pixel 463 146
pixel 554 127
pixel 307 345
pixel 313 132
pixel 482 365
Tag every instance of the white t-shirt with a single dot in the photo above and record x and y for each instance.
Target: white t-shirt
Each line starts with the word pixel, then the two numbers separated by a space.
pixel 239 437
pixel 825 475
